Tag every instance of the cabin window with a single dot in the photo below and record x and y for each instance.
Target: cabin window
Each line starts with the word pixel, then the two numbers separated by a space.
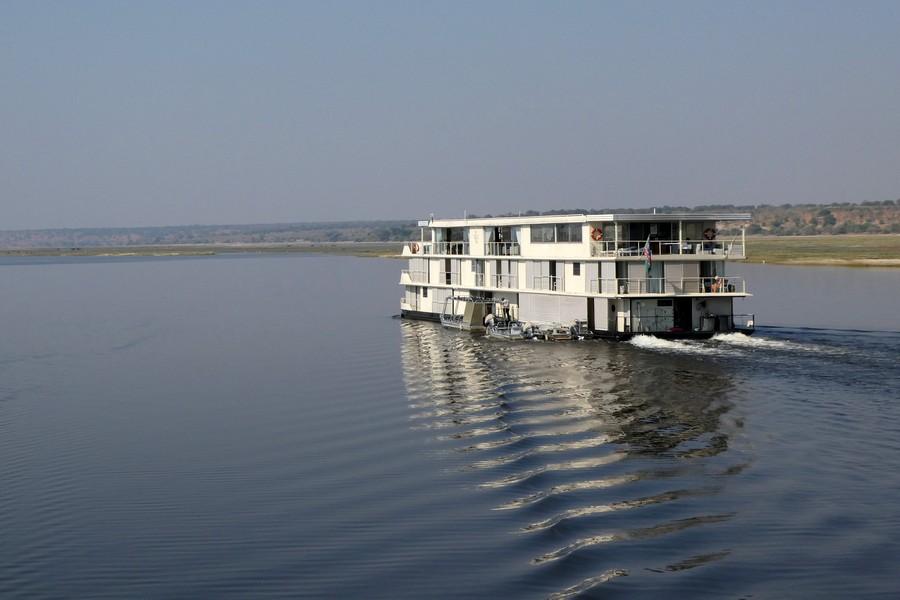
pixel 543 234
pixel 568 232
pixel 576 269
pixel 549 234
pixel 424 292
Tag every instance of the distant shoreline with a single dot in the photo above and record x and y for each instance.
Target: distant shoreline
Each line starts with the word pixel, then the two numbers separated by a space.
pixel 881 250
pixel 362 249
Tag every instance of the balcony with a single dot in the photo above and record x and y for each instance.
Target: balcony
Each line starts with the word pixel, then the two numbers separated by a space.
pixel 501 249
pixel 448 278
pixel 633 286
pixel 553 283
pixel 444 248
pixel 660 285
pixel 713 285
pixel 504 281
pixel 625 248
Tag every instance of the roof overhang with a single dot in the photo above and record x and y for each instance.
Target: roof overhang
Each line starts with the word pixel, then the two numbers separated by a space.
pixel 600 218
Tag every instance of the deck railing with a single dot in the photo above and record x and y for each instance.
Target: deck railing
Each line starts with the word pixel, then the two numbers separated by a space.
pixel 723 248
pixel 661 285
pixel 553 283
pixel 713 285
pixel 501 249
pixel 453 248
pixel 448 278
pixel 634 285
pixel 505 281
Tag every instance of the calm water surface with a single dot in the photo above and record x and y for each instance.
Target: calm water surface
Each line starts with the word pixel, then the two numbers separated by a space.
pixel 238 427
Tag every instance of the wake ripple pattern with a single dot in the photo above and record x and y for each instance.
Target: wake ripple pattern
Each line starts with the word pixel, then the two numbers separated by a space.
pixel 591 450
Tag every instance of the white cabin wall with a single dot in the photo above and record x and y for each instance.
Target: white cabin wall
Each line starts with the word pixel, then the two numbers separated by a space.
pixel 561 250
pixel 476 241
pixel 601 314
pixel 466 273
pixel 425 303
pixel 434 270
pixel 575 283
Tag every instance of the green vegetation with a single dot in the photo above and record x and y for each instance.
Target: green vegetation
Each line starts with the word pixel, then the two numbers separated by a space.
pixel 839 250
pixel 365 249
pixel 784 220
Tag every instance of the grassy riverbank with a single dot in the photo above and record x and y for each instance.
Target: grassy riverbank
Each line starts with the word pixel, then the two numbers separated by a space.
pixel 824 250
pixel 365 249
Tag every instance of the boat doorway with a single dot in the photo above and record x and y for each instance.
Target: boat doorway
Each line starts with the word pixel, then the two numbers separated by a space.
pixel 684 311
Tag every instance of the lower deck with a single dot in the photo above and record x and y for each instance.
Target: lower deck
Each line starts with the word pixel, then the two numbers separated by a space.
pixel 617 318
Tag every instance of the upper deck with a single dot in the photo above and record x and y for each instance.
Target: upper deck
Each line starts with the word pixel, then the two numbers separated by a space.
pixel 612 236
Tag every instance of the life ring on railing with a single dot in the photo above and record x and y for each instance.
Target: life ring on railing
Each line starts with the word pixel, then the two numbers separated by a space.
pixel 709 233
pixel 596 234
pixel 414 247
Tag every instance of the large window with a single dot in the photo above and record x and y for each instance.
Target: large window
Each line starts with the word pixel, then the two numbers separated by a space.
pixel 563 232
pixel 568 232
pixel 544 234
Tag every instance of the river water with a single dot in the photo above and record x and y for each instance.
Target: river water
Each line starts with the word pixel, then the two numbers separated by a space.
pixel 260 426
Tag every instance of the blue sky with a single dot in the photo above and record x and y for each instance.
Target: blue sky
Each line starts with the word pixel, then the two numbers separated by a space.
pixel 153 113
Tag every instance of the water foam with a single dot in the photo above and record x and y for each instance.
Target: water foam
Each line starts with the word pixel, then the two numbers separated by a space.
pixel 742 339
pixel 649 342
pixel 746 341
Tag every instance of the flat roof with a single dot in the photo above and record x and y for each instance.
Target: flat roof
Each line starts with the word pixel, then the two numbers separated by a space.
pixel 632 217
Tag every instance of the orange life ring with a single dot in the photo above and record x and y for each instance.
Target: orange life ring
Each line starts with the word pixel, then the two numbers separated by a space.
pixel 709 233
pixel 596 234
pixel 414 247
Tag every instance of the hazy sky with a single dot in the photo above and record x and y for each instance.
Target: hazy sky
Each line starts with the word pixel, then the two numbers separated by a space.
pixel 152 113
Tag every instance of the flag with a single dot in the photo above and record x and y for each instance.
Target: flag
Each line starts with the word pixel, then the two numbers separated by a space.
pixel 648 255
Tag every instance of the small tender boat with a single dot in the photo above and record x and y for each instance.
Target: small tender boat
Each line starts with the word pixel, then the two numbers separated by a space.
pixel 470 317
pixel 510 330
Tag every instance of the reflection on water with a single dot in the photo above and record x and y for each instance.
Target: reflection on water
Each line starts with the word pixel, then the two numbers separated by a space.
pixel 574 436
pixel 218 427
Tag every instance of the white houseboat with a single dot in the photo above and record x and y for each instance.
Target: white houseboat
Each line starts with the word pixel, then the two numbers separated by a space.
pixel 668 275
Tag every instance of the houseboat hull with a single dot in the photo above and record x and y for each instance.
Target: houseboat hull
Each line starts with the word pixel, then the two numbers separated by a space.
pixel 619 336
pixel 610 276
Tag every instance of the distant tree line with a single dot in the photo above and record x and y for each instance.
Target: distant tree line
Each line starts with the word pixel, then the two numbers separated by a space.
pixel 784 219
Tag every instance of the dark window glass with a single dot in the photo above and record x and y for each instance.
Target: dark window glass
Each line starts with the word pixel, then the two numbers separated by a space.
pixel 568 232
pixel 542 234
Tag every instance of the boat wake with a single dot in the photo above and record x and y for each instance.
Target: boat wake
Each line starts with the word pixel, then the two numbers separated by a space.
pixel 650 342
pixel 764 343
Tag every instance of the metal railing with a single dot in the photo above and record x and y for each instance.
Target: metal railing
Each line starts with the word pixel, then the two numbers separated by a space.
pixel 743 322
pixel 634 285
pixel 660 285
pixel 501 249
pixel 498 281
pixel 553 283
pixel 505 281
pixel 725 249
pixel 713 285
pixel 453 248
pixel 414 276
pixel 448 278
